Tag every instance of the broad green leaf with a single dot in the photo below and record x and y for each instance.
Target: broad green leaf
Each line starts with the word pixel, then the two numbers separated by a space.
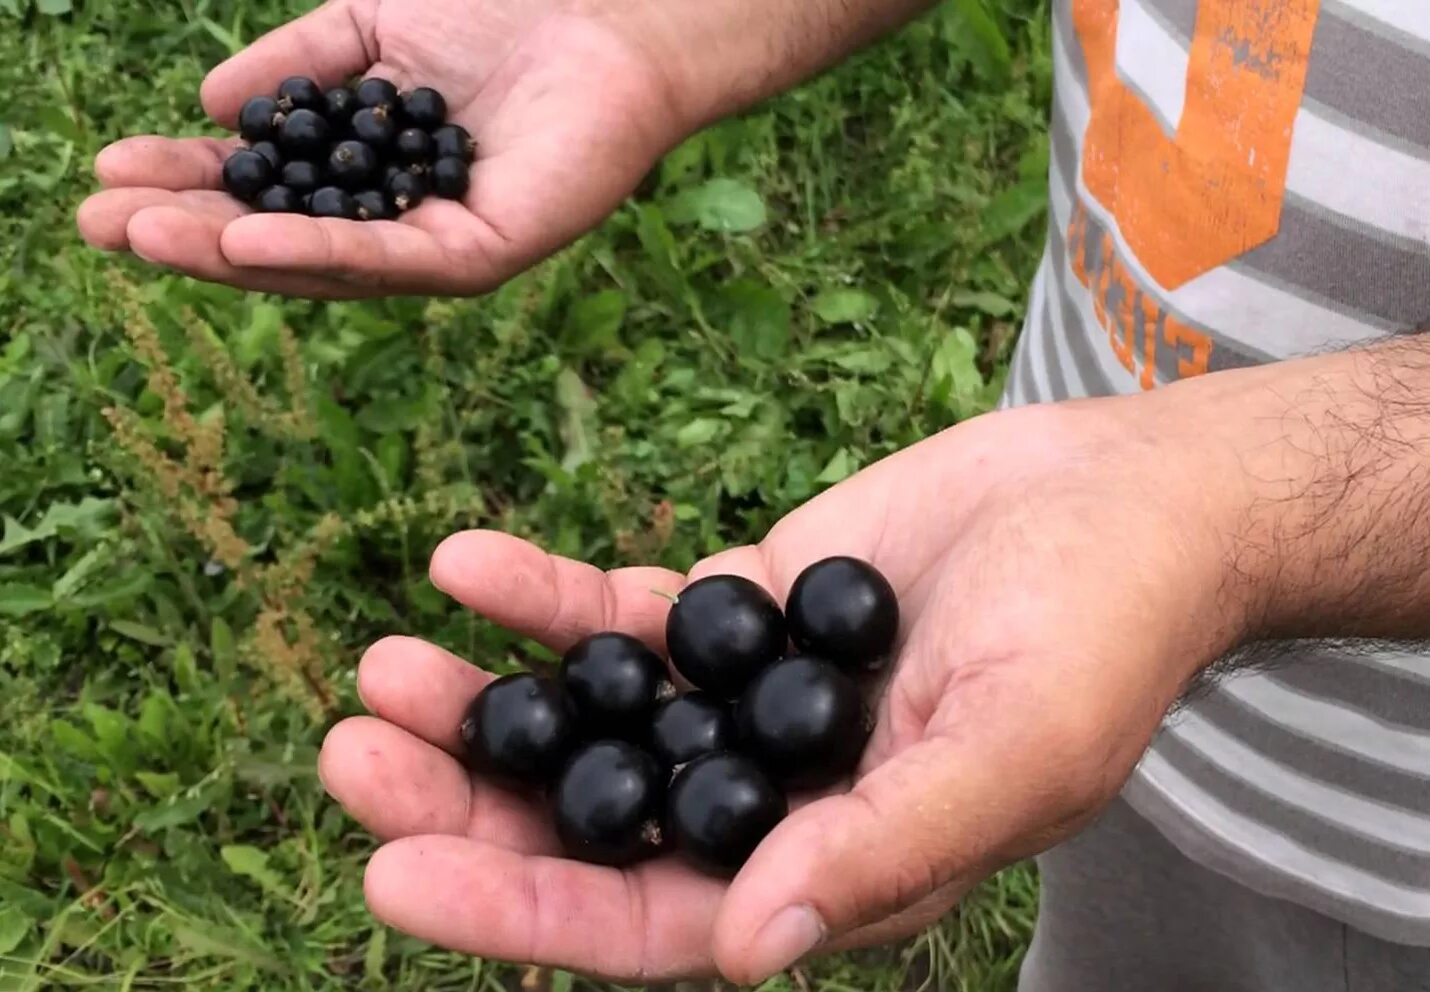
pixel 1012 210
pixel 660 249
pixel 699 431
pixel 759 318
pixel 7 141
pixel 838 468
pixel 87 518
pixel 216 941
pixel 990 303
pixel 844 306
pixel 221 646
pixel 251 862
pixel 18 599
pixel 14 925
pixel 175 812
pixel 976 35
pixel 578 423
pixel 561 981
pixel 374 959
pixel 139 632
pixel 957 382
pixel 54 7
pixel 123 587
pixel 160 785
pixel 724 205
pixel 186 669
pixel 593 323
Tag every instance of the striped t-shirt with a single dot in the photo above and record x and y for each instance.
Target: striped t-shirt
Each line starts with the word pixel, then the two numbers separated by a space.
pixel 1235 182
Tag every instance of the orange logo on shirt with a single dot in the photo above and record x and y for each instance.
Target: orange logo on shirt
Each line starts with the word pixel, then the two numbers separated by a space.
pixel 1188 204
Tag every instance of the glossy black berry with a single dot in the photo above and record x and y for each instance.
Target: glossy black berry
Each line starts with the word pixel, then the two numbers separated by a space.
pixel 607 804
pixel 451 178
pixel 259 119
pixel 377 93
pixel 844 610
pixel 407 190
pixel 722 630
pixel 521 728
pixel 689 726
pixel 304 177
pixel 720 807
pixel 374 205
pixel 339 105
pixel 615 682
pixel 300 93
pixel 269 151
pixel 389 173
pixel 279 200
pixel 332 202
pixel 353 165
pixel 453 141
pixel 804 721
pixel 304 135
pixel 413 145
pixel 246 173
pixel 374 126
pixel 425 108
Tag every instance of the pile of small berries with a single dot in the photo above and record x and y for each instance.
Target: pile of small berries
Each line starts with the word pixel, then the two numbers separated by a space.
pixel 363 153
pixel 631 768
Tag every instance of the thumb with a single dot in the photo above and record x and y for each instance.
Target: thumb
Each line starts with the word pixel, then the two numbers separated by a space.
pixel 328 44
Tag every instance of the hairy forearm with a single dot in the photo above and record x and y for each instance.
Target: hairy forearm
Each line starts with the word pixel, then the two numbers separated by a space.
pixel 721 56
pixel 1319 479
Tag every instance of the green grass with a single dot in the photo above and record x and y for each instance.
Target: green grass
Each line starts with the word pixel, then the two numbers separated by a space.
pixel 657 392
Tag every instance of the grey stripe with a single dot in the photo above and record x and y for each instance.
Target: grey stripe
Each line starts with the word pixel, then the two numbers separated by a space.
pixel 1090 380
pixel 1333 8
pixel 1053 383
pixel 1065 33
pixel 1179 17
pixel 1328 839
pixel 1332 260
pixel 1348 72
pixel 1344 769
pixel 1375 692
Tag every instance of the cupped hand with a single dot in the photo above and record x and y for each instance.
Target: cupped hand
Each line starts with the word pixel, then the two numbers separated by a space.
pixel 1057 577
pixel 568 113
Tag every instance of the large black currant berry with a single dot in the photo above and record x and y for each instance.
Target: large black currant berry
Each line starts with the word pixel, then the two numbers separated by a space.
pixel 843 609
pixel 279 200
pixel 720 807
pixel 607 804
pixel 377 93
pixel 722 630
pixel 353 165
pixel 332 202
pixel 451 178
pixel 521 727
pixel 688 726
pixel 425 108
pixel 304 177
pixel 300 93
pixel 246 173
pixel 414 146
pixel 407 190
pixel 374 205
pixel 375 126
pixel 259 119
pixel 453 141
pixel 304 135
pixel 804 721
pixel 269 151
pixel 339 105
pixel 615 682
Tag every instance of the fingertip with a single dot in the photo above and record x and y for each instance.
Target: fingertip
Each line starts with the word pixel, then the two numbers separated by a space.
pixel 98 227
pixel 451 558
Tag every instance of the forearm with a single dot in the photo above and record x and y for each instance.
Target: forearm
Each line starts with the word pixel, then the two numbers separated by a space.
pixel 1319 480
pixel 721 56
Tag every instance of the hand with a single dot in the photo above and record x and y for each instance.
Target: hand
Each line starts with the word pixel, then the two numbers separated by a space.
pixel 1057 572
pixel 568 114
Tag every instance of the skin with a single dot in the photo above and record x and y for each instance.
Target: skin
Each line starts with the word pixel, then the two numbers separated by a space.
pixel 1064 571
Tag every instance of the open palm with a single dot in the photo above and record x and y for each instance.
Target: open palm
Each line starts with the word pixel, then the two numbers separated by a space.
pixel 567 115
pixel 1032 671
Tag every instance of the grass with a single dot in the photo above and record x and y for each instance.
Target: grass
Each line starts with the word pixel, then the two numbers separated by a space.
pixel 206 517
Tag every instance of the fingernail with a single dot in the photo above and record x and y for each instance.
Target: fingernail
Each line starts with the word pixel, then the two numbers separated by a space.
pixel 791 934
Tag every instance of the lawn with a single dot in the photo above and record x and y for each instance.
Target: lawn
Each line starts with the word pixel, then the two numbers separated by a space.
pixel 212 501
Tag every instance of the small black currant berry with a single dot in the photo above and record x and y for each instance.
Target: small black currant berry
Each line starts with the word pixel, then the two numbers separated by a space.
pixel 389 173
pixel 279 200
pixel 300 93
pixel 722 630
pixel 332 202
pixel 352 165
pixel 607 804
pixel 804 721
pixel 721 806
pixel 521 727
pixel 304 177
pixel 339 105
pixel 688 726
pixel 407 190
pixel 615 682
pixel 269 151
pixel 375 126
pixel 259 119
pixel 246 173
pixel 844 610
pixel 451 178
pixel 374 205
pixel 304 135
pixel 453 141
pixel 425 108
pixel 413 145
pixel 378 93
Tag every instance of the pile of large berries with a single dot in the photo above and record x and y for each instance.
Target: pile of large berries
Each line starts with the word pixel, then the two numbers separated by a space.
pixel 631 768
pixel 363 153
